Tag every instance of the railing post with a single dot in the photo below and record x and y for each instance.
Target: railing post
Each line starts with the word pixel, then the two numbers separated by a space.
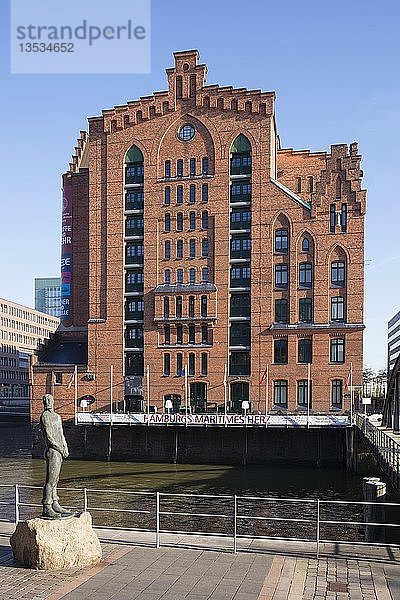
pixel 16 498
pixel 157 519
pixel 318 517
pixel 235 524
pixel 85 500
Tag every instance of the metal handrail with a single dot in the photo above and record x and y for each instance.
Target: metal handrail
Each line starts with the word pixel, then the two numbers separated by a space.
pixel 236 516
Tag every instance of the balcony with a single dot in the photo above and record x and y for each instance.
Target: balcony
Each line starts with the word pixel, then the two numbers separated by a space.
pixel 240 254
pixel 134 315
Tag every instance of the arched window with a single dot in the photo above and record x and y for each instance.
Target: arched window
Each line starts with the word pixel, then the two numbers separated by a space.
pixel 167 276
pixel 134 169
pixel 241 158
pixel 192 276
pixel 305 245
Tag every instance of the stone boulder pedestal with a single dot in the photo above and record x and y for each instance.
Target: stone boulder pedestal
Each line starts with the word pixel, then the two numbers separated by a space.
pixel 56 544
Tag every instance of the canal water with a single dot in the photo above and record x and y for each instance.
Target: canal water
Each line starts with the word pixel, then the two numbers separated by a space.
pixel 275 482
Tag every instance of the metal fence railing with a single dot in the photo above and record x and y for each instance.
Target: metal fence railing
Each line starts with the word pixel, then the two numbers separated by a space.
pixel 231 517
pixel 385 449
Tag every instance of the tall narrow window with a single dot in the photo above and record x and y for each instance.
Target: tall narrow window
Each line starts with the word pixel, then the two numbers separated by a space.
pixel 167 195
pixel 204 306
pixel 179 194
pixel 337 393
pixel 192 167
pixel 191 366
pixel 192 220
pixel 343 218
pixel 338 191
pixel 281 310
pixel 304 350
pixel 280 393
pixel 179 276
pixel 167 169
pixel 178 307
pixel 192 86
pixel 204 192
pixel 204 363
pixel 303 398
pixel 337 308
pixel 281 240
pixel 167 222
pixel 167 334
pixel 167 364
pixel 179 334
pixel 281 276
pixel 338 273
pixel 305 245
pixel 167 249
pixel 332 218
pixel 204 219
pixel 204 334
pixel 179 221
pixel 192 275
pixel 305 275
pixel 204 165
pixel 179 249
pixel 191 307
pixel 192 334
pixel 179 168
pixel 204 247
pixel 192 248
pixel 281 351
pixel 179 364
pixel 298 184
pixel 192 194
pixel 204 274
pixel 337 350
pixel 305 310
pixel 166 308
pixel 178 82
pixel 167 276
pixel 310 184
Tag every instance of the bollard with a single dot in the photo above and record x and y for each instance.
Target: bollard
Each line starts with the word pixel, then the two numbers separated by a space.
pixel 374 490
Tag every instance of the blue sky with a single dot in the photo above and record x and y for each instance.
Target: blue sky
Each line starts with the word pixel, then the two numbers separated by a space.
pixel 333 65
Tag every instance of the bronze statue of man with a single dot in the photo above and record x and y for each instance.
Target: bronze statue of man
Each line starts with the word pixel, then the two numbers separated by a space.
pixel 56 450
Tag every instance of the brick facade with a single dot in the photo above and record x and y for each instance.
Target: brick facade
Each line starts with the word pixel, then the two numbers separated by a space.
pixel 294 196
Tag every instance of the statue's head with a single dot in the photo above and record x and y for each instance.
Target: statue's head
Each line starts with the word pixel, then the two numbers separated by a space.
pixel 48 402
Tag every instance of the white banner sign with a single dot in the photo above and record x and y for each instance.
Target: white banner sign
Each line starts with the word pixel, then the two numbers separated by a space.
pixel 212 419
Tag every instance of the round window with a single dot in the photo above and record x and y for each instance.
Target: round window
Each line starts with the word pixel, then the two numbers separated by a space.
pixel 186 132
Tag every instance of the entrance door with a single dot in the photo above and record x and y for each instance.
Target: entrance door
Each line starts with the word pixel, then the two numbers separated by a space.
pixel 239 392
pixel 176 402
pixel 198 396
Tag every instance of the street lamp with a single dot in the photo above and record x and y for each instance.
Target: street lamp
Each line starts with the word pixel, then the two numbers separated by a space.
pixel 245 406
pixel 168 405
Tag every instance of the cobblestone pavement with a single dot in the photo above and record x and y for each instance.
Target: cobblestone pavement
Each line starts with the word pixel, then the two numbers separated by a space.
pixel 131 570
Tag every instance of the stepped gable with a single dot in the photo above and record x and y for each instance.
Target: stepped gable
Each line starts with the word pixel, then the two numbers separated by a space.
pixel 80 157
pixel 186 90
pixel 342 172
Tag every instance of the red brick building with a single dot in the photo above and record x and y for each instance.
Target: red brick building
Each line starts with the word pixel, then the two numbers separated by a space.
pixel 193 241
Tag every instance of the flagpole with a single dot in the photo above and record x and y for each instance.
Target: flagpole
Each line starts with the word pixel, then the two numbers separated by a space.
pixel 351 393
pixel 76 388
pixel 111 389
pixel 148 389
pixel 186 392
pixel 225 396
pixel 308 393
pixel 266 391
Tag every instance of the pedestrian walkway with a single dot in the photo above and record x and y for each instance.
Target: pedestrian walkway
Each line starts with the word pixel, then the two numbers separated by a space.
pixel 132 568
